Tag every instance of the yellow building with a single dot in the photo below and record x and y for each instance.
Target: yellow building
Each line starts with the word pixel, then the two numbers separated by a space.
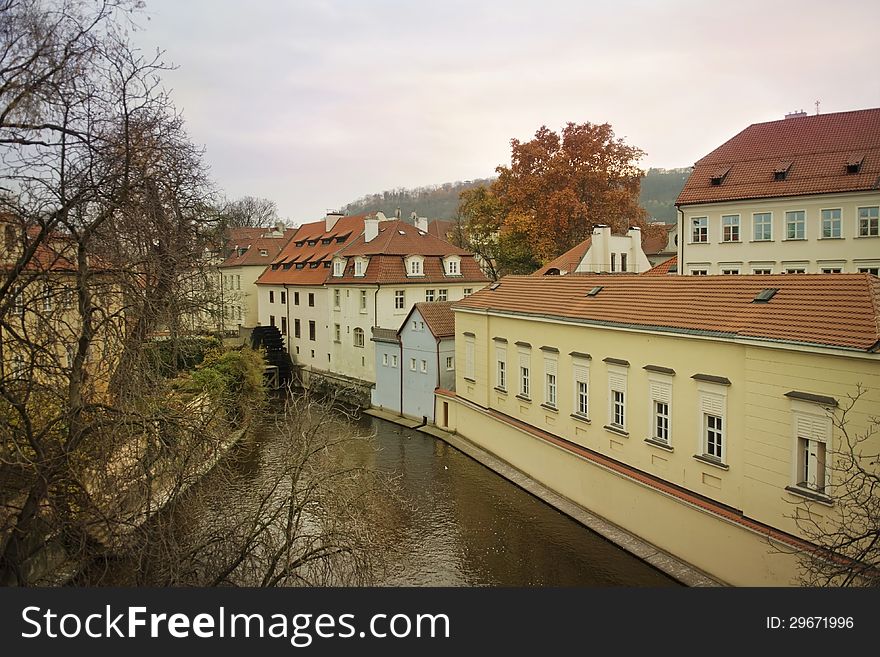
pixel 797 195
pixel 697 413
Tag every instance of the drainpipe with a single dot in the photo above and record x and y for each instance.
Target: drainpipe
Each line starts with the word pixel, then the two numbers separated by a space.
pixel 681 240
pixel 400 349
pixel 287 312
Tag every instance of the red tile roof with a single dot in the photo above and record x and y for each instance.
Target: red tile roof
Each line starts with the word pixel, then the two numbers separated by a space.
pixel 400 238
pixel 253 245
pixel 568 261
pixel 438 316
pixel 441 228
pixel 655 237
pixel 832 310
pixel 663 268
pixel 284 271
pixel 817 148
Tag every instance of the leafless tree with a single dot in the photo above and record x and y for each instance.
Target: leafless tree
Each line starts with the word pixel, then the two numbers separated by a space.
pixel 248 212
pixel 846 536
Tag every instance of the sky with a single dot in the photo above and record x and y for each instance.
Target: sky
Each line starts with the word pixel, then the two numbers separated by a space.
pixel 315 103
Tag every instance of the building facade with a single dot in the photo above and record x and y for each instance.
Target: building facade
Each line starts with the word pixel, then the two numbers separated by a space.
pixel 602 252
pixel 697 413
pixel 792 196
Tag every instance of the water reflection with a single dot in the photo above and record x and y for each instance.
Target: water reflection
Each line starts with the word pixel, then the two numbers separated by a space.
pixel 470 527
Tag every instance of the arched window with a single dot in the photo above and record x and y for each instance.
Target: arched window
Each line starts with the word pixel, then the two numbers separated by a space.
pixel 359 337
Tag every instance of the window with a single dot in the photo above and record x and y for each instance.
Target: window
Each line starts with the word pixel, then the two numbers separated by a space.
pixel 870 270
pixel 730 272
pixel 338 267
pixel 271 296
pixel 311 299
pixel 424 366
pixel 795 270
pixel 762 225
pixel 296 331
pixel 412 364
pixel 415 267
pixel 501 367
pixel 712 404
pixel 238 281
pixel 283 326
pixel 700 231
pixel 831 223
pixel 762 270
pixel 399 299
pixel 47 298
pixel 581 370
pixel 468 290
pixel 358 337
pixel 337 333
pixel 714 435
pixel 550 370
pixel 358 267
pixel 271 320
pixel 660 393
pixel 284 297
pixel 363 301
pixel 525 366
pixel 469 357
pixel 795 225
pixel 452 267
pixel 337 295
pixel 699 272
pixel 296 298
pixel 622 262
pixel 312 330
pixel 617 397
pixel 450 363
pixel 442 295
pixel 869 222
pixel 831 270
pixel 393 360
pixel 429 295
pixel 730 228
pixel 385 360
pixel 613 261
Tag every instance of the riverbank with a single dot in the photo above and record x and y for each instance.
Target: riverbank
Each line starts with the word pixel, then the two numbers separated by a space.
pixel 666 563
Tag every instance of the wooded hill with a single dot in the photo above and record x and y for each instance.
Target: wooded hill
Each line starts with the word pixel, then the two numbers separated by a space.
pixel 659 189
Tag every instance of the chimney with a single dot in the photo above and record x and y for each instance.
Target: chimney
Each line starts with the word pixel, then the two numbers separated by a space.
pixel 279 227
pixel 371 228
pixel 421 223
pixel 797 114
pixel 331 219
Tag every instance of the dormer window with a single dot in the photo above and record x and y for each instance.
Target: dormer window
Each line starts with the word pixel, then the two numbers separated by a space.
pixel 720 174
pixel 414 266
pixel 360 266
pixel 781 171
pixel 452 265
pixel 854 164
pixel 312 242
pixel 264 252
pixel 338 267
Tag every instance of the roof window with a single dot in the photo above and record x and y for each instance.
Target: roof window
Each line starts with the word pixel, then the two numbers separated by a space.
pixel 781 171
pixel 854 163
pixel 765 295
pixel 494 286
pixel 720 174
pixel 594 291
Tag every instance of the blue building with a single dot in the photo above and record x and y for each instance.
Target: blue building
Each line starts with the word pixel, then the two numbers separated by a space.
pixel 416 360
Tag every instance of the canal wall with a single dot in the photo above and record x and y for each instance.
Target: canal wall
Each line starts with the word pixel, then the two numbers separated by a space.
pixel 716 541
pixel 662 560
pixel 342 389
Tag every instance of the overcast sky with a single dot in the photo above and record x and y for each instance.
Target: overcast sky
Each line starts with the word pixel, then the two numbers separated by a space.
pixel 314 103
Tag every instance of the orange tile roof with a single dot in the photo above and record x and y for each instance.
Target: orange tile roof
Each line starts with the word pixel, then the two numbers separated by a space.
pixel 568 261
pixel 441 228
pixel 438 316
pixel 400 238
pixel 655 237
pixel 283 270
pixel 387 269
pixel 831 310
pixel 813 149
pixel 253 245
pixel 663 268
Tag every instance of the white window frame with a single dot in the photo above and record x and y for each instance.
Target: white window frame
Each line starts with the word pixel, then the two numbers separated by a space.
pixel 712 400
pixel 384 360
pixel 796 219
pixel 358 333
pixel 581 376
pixel 363 301
pixel 833 221
pixel 429 295
pixel 617 380
pixel 699 229
pixel 659 391
pixel 412 364
pixel 424 366
pixel 399 299
pixel 551 379
pixel 337 297
pixel 338 268
pixel 359 268
pixel 501 366
pixel 524 372
pixel 450 363
pixel 393 360
pixel 442 294
pixel 871 219
pixel 811 424
pixel 765 236
pixel 727 222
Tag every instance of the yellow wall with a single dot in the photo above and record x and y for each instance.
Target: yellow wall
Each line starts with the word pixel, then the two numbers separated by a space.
pixel 760 445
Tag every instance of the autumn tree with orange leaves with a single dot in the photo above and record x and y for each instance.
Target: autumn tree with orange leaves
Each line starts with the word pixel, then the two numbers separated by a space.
pixel 557 187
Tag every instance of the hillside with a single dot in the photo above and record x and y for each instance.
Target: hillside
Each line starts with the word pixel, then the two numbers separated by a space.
pixel 660 187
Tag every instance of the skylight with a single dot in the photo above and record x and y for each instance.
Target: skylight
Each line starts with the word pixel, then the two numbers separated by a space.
pixel 494 286
pixel 594 291
pixel 765 295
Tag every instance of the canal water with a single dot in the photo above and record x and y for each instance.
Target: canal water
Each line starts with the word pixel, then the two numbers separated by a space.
pixel 469 526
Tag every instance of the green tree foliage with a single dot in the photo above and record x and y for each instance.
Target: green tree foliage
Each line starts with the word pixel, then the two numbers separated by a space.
pixel 432 201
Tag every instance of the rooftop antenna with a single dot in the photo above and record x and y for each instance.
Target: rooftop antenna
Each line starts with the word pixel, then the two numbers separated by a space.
pixel 817 108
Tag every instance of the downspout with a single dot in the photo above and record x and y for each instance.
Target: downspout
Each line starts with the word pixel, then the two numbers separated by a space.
pixel 400 350
pixel 287 312
pixel 681 240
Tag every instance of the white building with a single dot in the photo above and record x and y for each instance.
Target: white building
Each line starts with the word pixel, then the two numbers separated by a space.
pixel 602 252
